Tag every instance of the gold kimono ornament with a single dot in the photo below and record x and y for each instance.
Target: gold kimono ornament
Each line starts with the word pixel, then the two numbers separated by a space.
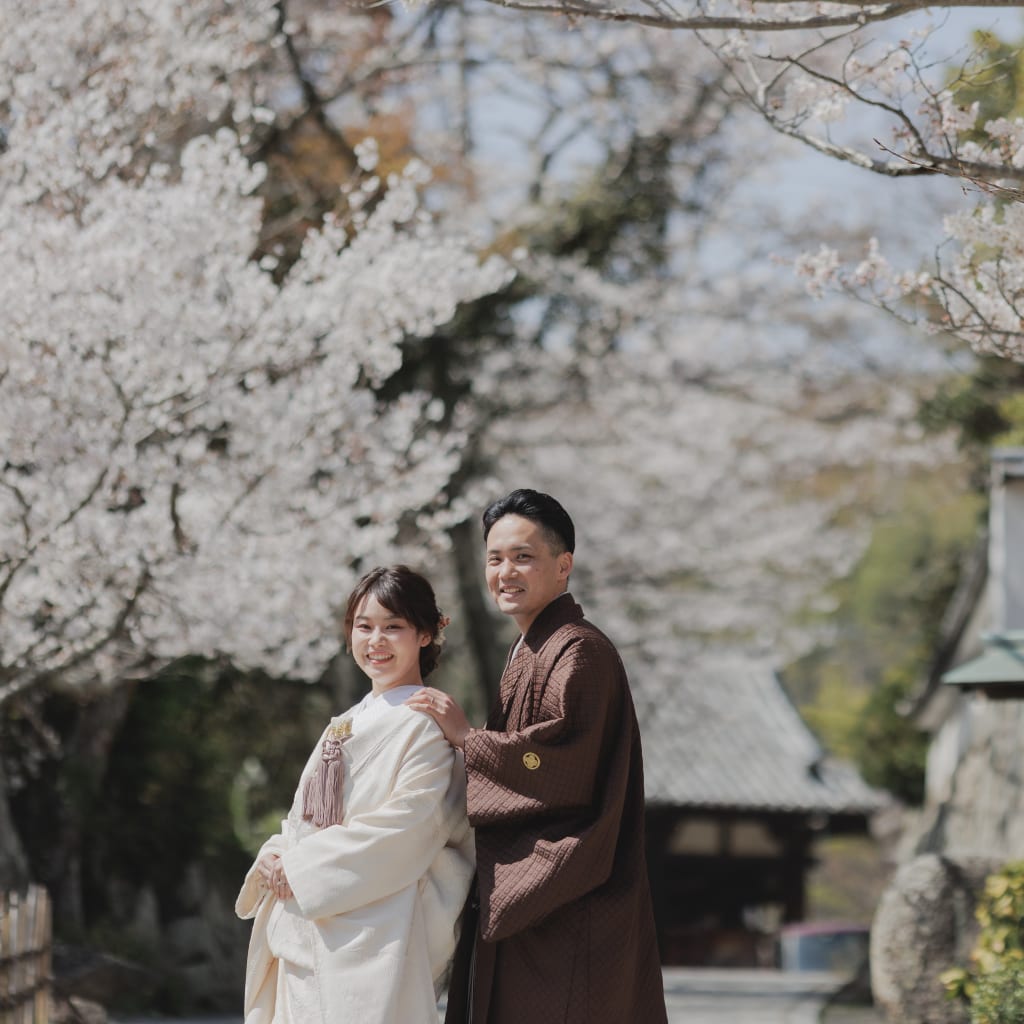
pixel 322 793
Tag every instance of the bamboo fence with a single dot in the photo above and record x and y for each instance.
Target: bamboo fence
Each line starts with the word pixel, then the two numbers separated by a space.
pixel 26 948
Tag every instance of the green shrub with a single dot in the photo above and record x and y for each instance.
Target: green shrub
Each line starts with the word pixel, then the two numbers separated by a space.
pixel 993 984
pixel 999 996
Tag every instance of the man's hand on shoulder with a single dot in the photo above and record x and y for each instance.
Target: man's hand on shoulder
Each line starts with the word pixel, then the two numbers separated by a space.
pixel 443 710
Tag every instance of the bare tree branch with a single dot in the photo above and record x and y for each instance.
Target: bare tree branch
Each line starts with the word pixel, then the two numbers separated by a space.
pixel 666 17
pixel 315 104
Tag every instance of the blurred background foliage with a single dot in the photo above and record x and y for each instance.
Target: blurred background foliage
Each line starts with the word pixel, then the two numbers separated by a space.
pixel 992 78
pixel 886 624
pixel 884 635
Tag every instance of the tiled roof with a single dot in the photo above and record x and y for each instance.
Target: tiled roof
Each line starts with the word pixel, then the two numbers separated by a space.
pixel 728 736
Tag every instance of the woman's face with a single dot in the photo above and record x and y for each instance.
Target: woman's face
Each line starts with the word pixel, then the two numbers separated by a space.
pixel 386 647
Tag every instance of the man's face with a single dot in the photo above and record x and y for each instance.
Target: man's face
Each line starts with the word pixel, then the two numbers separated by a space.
pixel 523 574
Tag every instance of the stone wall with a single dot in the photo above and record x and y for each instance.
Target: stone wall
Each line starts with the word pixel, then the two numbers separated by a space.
pixel 975 803
pixel 972 824
pixel 925 924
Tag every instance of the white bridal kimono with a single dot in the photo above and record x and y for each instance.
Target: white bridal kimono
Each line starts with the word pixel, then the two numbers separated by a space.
pixel 373 922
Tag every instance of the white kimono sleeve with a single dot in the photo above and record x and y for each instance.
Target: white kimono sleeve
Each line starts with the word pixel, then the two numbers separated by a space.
pixel 383 849
pixel 252 893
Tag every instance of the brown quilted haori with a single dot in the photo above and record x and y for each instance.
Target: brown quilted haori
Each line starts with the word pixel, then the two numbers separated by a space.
pixel 555 792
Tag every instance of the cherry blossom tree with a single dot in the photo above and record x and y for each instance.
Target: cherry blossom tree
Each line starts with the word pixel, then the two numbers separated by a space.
pixel 869 84
pixel 195 459
pixel 803 64
pixel 715 490
pixel 628 331
pixel 149 352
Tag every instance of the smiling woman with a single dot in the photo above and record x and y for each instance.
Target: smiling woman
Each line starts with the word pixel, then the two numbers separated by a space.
pixel 356 902
pixel 386 646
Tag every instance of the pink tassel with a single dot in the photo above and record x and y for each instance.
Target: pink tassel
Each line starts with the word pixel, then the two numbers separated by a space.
pixel 322 793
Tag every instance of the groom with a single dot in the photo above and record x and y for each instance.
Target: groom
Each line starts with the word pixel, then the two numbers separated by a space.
pixel 559 926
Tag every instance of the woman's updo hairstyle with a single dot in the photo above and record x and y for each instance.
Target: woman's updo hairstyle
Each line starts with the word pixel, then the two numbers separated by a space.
pixel 408 595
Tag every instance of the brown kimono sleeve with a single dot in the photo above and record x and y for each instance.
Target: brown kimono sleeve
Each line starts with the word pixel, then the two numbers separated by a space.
pixel 547 800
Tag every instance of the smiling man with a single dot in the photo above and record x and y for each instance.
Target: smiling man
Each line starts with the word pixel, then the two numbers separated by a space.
pixel 560 926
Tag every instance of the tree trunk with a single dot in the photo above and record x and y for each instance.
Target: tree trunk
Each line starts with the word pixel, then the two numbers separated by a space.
pixel 86 755
pixel 14 873
pixel 482 631
pixel 345 681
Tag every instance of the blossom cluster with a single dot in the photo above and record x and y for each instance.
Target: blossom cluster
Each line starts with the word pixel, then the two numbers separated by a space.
pixel 977 288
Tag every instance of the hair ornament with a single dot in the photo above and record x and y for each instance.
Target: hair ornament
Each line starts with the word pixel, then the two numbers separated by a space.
pixel 442 623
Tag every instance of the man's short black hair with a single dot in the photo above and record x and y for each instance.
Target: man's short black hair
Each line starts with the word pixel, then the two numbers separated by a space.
pixel 542 509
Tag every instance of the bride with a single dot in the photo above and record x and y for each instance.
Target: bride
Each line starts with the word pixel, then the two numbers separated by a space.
pixel 356 901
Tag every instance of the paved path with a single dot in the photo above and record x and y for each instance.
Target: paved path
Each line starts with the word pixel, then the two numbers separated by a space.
pixel 700 996
pixel 707 996
pixel 853 1015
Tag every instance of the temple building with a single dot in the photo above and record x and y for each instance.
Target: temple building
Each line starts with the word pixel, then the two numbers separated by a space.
pixel 738 789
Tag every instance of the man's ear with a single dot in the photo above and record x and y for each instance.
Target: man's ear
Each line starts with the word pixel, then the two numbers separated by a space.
pixel 565 564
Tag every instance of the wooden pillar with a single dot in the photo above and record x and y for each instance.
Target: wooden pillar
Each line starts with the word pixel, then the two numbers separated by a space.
pixel 797 859
pixel 658 824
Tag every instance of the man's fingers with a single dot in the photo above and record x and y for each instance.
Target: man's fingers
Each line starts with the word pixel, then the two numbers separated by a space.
pixel 427 701
pixel 445 711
